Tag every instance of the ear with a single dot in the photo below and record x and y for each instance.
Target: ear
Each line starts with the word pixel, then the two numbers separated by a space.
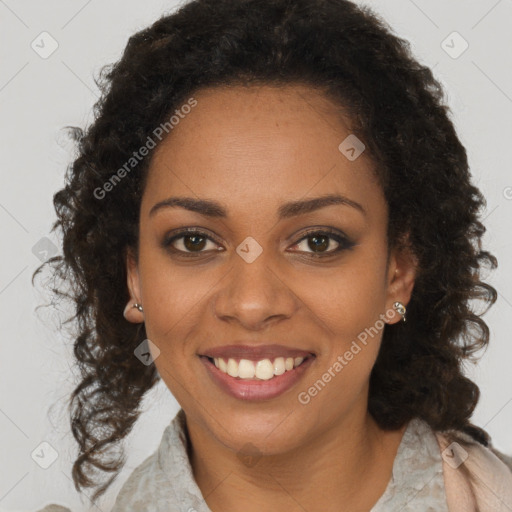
pixel 131 313
pixel 402 272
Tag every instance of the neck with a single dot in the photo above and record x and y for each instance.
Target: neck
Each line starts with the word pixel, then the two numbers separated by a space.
pixel 345 467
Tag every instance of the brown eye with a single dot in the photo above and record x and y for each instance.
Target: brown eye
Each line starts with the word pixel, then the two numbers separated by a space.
pixel 320 241
pixel 189 242
pixel 194 242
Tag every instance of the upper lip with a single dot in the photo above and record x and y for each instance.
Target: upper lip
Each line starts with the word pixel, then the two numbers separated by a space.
pixel 255 352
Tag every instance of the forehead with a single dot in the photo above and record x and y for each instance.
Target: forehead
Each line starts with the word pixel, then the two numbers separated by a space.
pixel 259 145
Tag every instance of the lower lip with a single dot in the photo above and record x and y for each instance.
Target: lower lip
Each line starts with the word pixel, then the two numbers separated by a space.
pixel 256 389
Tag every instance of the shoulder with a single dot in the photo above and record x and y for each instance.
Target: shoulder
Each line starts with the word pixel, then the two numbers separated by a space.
pixel 491 485
pixel 154 485
pixel 136 493
pixel 163 481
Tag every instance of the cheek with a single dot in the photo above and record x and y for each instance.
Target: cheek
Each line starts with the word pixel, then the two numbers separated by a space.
pixel 350 298
pixel 348 306
pixel 174 298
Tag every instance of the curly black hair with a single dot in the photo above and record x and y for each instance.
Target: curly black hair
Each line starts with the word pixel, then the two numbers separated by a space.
pixel 397 108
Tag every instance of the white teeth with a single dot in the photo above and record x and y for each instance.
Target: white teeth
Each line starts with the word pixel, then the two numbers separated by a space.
pixel 232 368
pixel 279 367
pixel 263 369
pixel 246 369
pixel 298 360
pixel 223 366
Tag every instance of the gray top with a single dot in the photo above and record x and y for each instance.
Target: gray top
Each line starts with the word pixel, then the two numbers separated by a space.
pixel 164 482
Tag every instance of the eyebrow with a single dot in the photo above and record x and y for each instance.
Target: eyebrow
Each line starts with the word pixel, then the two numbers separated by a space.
pixel 211 208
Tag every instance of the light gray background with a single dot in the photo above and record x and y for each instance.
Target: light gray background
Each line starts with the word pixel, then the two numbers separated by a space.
pixel 39 96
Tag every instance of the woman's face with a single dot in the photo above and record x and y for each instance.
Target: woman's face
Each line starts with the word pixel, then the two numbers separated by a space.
pixel 255 277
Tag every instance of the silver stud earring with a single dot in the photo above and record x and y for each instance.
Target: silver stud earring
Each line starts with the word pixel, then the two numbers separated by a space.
pixel 138 306
pixel 400 308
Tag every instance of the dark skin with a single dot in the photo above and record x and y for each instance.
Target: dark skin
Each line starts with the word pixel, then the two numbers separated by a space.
pixel 251 149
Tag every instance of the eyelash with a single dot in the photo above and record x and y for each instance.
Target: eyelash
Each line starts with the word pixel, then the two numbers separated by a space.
pixel 343 241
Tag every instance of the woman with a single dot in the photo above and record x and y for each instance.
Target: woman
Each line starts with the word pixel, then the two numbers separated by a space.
pixel 272 212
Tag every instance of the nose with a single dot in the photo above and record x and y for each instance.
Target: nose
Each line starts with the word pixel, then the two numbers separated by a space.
pixel 255 294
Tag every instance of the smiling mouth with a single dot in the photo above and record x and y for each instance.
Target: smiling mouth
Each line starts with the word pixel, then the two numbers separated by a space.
pixel 257 370
pixel 243 385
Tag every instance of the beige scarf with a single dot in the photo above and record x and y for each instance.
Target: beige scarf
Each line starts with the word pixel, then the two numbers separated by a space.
pixel 492 477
